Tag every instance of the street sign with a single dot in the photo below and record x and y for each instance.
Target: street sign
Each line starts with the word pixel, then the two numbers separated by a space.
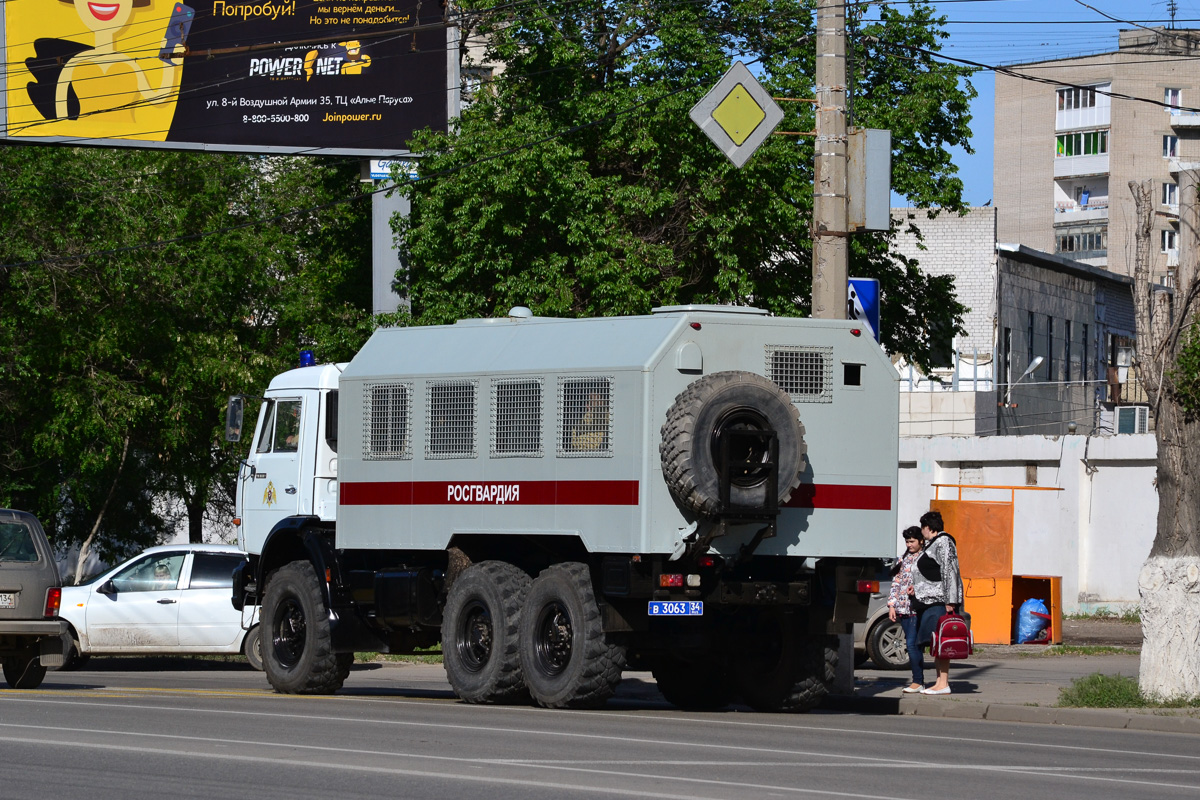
pixel 862 303
pixel 737 114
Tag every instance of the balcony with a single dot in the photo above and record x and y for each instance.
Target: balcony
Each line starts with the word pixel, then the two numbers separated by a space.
pixel 1078 166
pixel 1069 211
pixel 1185 120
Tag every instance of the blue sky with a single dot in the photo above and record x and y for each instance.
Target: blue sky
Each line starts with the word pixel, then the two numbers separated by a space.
pixel 999 32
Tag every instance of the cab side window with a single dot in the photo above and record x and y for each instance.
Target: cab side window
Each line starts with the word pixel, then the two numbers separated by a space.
pixel 287 427
pixel 281 427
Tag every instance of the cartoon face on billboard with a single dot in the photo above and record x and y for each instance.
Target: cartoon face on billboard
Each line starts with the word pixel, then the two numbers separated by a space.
pixel 97 69
pixel 242 74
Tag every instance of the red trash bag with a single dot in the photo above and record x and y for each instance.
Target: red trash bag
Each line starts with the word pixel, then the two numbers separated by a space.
pixel 952 638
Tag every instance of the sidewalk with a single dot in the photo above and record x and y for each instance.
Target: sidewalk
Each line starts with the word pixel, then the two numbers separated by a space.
pixel 1017 683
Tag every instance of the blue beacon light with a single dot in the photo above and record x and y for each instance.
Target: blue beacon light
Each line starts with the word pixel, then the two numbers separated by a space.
pixel 307 359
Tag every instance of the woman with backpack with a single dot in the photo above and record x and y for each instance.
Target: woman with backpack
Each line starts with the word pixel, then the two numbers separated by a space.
pixel 900 605
pixel 937 590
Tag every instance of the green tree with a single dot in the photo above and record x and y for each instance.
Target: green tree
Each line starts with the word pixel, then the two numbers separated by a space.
pixel 575 183
pixel 116 358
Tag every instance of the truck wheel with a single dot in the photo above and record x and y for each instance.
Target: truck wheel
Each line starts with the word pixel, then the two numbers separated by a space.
pixel 708 409
pixel 252 647
pixel 296 648
pixel 567 659
pixel 480 633
pixel 887 645
pixel 794 674
pixel 704 685
pixel 24 671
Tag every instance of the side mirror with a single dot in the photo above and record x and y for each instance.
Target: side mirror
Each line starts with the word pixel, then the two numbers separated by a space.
pixel 108 587
pixel 233 418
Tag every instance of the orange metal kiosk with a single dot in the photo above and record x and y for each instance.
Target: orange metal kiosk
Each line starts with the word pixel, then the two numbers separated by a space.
pixel 983 531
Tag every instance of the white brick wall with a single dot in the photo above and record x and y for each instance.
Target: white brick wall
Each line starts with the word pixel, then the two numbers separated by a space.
pixel 962 246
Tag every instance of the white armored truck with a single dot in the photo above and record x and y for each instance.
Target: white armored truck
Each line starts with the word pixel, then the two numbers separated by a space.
pixel 706 492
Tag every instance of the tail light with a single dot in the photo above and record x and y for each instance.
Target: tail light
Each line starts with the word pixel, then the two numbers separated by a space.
pixel 670 580
pixel 868 587
pixel 53 601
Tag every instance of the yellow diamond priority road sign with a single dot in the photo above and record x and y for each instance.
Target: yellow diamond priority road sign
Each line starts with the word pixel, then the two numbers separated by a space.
pixel 737 114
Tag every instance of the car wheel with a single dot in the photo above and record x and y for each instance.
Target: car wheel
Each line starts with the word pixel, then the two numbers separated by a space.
pixel 297 648
pixel 24 671
pixel 887 645
pixel 567 659
pixel 480 633
pixel 252 647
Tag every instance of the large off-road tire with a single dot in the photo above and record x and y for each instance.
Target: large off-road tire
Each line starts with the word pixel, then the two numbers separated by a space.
pixel 793 673
pixel 709 408
pixel 887 646
pixel 252 647
pixel 566 658
pixel 694 685
pixel 24 671
pixel 296 640
pixel 480 633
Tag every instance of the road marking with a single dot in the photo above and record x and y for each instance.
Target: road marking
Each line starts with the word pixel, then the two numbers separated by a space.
pixel 676 720
pixel 273 761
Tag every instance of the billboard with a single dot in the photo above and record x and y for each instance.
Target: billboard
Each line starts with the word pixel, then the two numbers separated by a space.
pixel 337 77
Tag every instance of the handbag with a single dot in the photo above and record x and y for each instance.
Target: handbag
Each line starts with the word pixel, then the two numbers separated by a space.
pixel 952 638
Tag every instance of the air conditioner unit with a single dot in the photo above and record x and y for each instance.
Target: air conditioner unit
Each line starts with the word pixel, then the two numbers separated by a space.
pixel 1133 419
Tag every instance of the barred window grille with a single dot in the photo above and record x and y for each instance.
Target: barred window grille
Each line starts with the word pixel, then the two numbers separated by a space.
pixel 451 419
pixel 585 416
pixel 388 421
pixel 517 418
pixel 805 373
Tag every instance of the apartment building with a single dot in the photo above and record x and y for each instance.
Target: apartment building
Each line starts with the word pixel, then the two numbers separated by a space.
pixel 1069 141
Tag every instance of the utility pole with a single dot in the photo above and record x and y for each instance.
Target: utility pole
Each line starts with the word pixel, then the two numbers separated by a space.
pixel 830 228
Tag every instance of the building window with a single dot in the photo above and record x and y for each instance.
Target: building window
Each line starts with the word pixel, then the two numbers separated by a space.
pixel 1067 351
pixel 1076 97
pixel 1091 143
pixel 1085 371
pixel 1171 99
pixel 1170 146
pixel 1029 339
pixel 1005 360
pixel 1170 241
pixel 1082 240
pixel 1050 349
pixel 1170 194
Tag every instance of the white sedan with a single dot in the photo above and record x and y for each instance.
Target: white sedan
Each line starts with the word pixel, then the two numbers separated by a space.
pixel 171 599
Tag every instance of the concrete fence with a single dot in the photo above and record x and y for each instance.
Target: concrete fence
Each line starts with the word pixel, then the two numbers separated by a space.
pixel 1095 533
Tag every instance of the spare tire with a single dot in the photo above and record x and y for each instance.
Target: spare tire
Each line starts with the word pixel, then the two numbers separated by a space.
pixel 708 409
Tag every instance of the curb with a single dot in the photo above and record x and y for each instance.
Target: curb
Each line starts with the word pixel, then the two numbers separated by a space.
pixel 1163 721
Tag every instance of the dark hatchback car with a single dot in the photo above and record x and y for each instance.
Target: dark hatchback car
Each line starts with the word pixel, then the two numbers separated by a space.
pixel 31 633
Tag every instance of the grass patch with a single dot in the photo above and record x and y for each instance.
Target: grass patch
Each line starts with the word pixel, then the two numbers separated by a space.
pixel 424 655
pixel 1113 691
pixel 1081 650
pixel 1130 615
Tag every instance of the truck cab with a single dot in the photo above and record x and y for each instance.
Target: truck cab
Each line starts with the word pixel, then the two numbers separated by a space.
pixel 291 468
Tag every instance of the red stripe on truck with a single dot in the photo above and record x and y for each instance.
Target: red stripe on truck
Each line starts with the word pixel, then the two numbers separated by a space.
pixel 527 493
pixel 841 496
pixel 579 493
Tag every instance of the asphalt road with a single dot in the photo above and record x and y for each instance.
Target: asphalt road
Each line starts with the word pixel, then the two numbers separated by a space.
pixel 206 729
